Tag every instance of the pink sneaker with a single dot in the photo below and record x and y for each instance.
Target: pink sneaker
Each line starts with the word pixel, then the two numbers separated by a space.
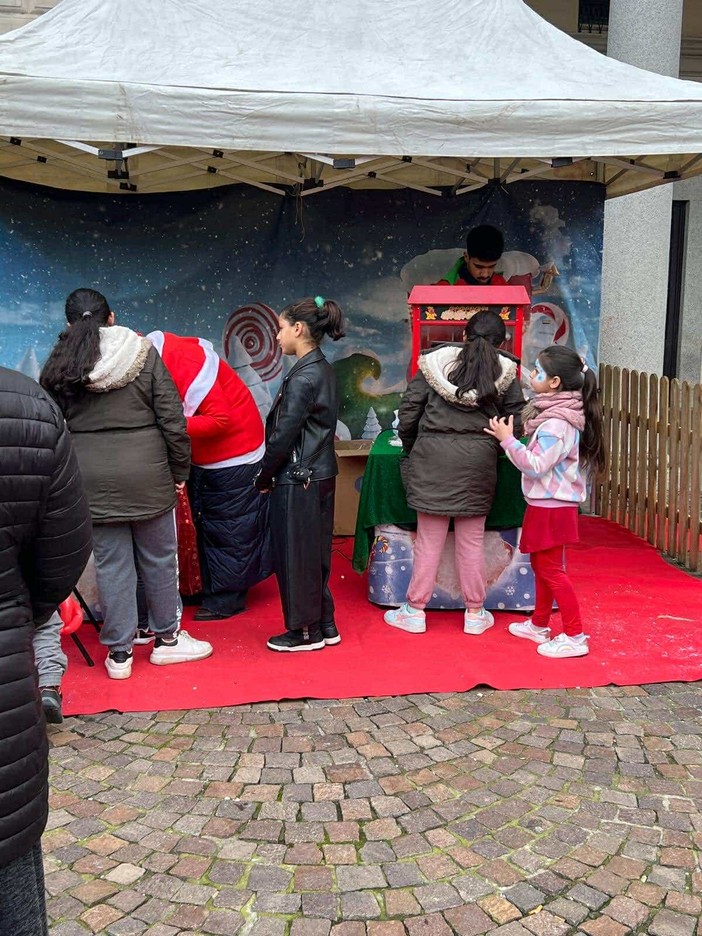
pixel 477 622
pixel 406 618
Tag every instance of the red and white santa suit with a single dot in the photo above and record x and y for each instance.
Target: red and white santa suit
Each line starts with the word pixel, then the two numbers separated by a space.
pixel 227 438
pixel 224 424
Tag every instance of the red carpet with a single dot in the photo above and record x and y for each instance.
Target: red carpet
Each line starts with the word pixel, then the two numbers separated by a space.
pixel 643 615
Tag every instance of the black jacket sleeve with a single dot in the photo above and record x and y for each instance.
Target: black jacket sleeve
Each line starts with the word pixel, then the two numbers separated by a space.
pixel 170 419
pixel 414 401
pixel 292 411
pixel 512 403
pixel 62 546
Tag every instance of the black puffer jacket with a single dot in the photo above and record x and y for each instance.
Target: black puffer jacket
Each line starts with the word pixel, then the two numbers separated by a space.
pixel 45 540
pixel 452 468
pixel 301 425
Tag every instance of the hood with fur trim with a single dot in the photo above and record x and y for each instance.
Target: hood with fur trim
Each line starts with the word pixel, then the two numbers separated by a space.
pixel 435 365
pixel 122 358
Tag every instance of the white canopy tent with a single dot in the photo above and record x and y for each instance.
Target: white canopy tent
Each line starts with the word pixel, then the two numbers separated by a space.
pixel 127 95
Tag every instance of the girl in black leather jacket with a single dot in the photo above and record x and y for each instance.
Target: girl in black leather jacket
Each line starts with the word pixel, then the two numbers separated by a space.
pixel 299 471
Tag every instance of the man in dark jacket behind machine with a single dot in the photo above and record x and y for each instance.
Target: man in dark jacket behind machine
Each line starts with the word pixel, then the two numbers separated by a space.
pixel 44 546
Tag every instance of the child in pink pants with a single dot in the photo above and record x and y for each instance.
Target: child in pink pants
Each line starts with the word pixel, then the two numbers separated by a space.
pixel 451 471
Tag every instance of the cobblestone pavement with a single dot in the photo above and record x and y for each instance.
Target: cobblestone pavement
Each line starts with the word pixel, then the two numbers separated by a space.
pixel 545 813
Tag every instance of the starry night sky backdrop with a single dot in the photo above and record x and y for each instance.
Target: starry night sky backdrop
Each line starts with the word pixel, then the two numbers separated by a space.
pixel 183 262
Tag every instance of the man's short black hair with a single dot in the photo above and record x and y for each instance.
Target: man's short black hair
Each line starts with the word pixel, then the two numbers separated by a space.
pixel 485 242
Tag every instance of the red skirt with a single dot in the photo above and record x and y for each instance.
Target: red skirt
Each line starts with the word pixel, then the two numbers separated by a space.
pixel 547 527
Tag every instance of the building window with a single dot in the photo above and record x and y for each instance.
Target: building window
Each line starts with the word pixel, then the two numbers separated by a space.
pixel 593 15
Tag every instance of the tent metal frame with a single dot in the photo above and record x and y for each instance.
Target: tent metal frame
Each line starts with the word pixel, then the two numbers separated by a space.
pixel 128 168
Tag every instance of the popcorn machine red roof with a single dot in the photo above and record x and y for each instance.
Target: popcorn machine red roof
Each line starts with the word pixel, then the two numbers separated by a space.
pixel 438 314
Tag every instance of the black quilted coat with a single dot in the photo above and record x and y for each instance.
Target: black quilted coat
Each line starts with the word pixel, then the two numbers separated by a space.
pixel 45 541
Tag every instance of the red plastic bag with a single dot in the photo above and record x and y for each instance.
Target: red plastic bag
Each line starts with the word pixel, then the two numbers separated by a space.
pixel 190 582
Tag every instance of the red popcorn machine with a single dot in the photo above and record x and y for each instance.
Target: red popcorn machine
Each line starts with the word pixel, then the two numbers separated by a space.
pixel 438 314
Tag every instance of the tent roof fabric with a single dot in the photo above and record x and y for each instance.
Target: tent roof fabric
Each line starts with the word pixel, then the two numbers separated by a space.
pixel 444 79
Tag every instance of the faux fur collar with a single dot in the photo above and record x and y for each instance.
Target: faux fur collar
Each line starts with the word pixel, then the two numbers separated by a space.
pixel 122 358
pixel 436 364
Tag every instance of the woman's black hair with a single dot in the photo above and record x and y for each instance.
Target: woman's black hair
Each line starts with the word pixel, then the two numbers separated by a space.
pixel 321 316
pixel 78 348
pixel 562 362
pixel 478 365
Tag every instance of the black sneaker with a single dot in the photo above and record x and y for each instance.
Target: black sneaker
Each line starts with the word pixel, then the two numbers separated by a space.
pixel 330 633
pixel 51 703
pixel 294 640
pixel 143 636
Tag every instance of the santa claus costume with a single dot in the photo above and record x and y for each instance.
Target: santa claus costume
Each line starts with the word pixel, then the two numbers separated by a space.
pixel 226 434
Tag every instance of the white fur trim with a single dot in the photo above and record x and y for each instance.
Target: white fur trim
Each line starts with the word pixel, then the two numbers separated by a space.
pixel 157 338
pixel 123 354
pixel 205 380
pixel 436 364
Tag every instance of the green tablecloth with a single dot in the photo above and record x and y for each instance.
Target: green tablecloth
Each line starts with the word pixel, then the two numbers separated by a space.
pixel 383 497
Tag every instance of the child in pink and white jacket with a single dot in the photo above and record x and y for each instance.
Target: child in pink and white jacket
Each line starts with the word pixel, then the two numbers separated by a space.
pixel 564 420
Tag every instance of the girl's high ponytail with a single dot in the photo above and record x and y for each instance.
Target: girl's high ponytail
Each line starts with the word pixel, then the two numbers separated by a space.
pixel 564 363
pixel 334 326
pixel 592 447
pixel 321 316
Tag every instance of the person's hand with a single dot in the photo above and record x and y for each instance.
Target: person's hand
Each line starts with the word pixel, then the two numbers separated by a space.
pixel 261 486
pixel 501 428
pixel 180 486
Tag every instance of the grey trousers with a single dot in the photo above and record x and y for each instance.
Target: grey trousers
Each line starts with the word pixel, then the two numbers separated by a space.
pixel 22 896
pixel 49 658
pixel 118 548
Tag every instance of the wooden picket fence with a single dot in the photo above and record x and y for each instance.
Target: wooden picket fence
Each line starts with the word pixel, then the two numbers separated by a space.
pixel 653 430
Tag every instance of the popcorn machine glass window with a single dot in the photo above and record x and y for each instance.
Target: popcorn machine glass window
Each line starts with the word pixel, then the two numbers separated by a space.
pixel 439 314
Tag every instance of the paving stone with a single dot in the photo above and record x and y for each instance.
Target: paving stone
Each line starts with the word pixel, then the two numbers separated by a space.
pixel 468 921
pixel 402 874
pixel 668 923
pixel 500 909
pixel 320 905
pixel 268 926
pixel 544 923
pixel 386 928
pixel 359 878
pixel 223 923
pixel 401 903
pixel 589 896
pixel 524 896
pixel 628 911
pixel 359 905
pixel 263 878
pixel 434 897
pixel 431 925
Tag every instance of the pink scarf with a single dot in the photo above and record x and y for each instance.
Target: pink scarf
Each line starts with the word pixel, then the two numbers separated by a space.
pixel 563 404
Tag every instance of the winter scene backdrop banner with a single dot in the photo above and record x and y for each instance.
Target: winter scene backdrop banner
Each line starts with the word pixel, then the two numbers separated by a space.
pixel 221 264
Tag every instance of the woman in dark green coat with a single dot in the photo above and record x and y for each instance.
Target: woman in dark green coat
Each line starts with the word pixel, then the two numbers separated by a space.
pixel 451 472
pixel 128 430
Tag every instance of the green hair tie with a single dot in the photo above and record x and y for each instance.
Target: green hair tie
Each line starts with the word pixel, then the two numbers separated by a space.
pixel 319 301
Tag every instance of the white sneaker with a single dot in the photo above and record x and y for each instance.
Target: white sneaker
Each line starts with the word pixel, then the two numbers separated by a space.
pixel 185 649
pixel 564 646
pixel 409 619
pixel 118 664
pixel 530 631
pixel 477 622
